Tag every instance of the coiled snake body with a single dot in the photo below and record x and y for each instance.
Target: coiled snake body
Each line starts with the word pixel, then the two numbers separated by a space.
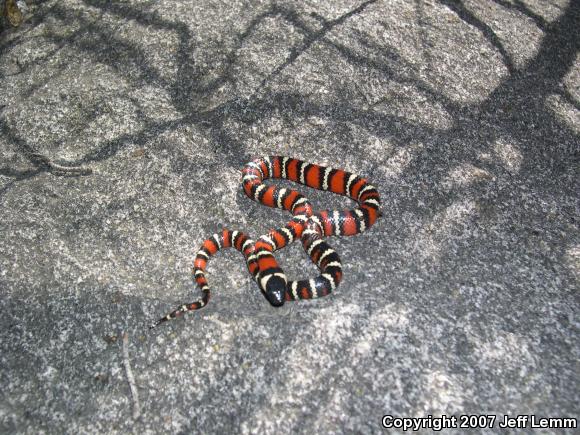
pixel 306 225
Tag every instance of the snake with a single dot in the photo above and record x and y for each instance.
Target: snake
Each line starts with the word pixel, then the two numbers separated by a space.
pixel 306 225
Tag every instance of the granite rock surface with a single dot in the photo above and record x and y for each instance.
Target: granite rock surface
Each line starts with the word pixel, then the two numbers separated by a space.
pixel 462 299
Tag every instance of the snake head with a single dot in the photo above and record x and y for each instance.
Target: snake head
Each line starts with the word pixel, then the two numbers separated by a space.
pixel 274 287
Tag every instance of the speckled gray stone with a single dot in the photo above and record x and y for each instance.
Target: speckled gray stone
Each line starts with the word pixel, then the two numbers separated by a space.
pixel 462 299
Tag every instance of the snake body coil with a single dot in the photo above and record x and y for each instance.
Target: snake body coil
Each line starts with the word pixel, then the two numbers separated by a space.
pixel 306 225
